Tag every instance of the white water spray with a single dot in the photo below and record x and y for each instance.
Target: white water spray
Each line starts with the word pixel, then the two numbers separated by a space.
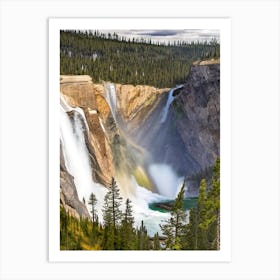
pixel 151 218
pixel 168 103
pixel 166 180
pixel 111 98
pixel 64 104
pixel 77 158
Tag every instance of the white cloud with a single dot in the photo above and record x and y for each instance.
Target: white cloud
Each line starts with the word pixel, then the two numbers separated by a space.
pixel 171 35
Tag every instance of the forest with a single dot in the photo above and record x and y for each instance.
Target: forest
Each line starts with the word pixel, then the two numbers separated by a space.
pixel 198 230
pixel 109 57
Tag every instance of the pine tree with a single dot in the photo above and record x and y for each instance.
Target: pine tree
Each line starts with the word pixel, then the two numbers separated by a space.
pixel 203 229
pixel 189 239
pixel 202 217
pixel 175 226
pixel 156 243
pixel 92 202
pixel 112 216
pixel 127 230
pixel 128 215
pixel 163 64
pixel 142 238
pixel 214 208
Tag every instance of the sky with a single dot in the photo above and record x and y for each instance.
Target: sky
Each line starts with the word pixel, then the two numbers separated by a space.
pixel 158 35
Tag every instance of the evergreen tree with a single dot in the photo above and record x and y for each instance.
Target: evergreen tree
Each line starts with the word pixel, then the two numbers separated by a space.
pixel 156 243
pixel 63 228
pixel 142 238
pixel 128 214
pixel 189 239
pixel 117 59
pixel 214 208
pixel 92 202
pixel 202 217
pixel 112 217
pixel 127 230
pixel 175 226
pixel 203 229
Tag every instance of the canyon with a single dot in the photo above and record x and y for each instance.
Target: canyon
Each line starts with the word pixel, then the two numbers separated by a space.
pixel 149 139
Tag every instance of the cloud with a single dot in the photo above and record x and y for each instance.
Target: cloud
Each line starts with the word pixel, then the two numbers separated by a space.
pixel 171 35
pixel 161 33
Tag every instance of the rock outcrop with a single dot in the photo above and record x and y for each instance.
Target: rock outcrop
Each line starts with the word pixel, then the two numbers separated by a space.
pixel 68 194
pixel 197 111
pixel 136 102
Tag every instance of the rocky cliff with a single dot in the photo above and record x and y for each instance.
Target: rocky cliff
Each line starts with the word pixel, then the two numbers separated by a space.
pixel 137 102
pixel 189 138
pixel 79 91
pixel 197 113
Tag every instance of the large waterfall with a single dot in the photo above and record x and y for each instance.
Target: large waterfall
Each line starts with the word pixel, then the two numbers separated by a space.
pixel 76 155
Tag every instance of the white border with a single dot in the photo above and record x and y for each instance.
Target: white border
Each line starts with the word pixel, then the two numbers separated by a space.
pixel 55 255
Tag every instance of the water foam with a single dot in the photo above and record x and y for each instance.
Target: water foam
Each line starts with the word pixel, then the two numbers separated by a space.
pixel 167 182
pixel 151 218
pixel 77 159
pixel 111 98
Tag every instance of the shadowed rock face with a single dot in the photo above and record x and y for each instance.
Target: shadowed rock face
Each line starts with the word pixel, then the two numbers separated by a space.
pixel 68 193
pixel 163 141
pixel 189 139
pixel 197 113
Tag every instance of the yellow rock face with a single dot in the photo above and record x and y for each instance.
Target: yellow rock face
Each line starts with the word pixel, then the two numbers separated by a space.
pixel 132 98
pixel 80 91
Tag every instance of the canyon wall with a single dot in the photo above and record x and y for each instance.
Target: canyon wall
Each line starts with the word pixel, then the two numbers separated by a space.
pixel 125 130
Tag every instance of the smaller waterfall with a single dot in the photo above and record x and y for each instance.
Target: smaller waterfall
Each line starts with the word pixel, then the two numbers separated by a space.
pixel 111 98
pixel 168 103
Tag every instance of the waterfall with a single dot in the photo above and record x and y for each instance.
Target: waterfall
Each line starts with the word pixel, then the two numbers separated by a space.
pixel 168 103
pixel 167 181
pixel 111 98
pixel 76 157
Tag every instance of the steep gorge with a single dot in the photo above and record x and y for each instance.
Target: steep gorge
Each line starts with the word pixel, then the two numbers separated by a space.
pixel 127 137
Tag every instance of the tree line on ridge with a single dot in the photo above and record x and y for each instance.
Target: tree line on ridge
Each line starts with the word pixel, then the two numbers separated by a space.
pixel 109 57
